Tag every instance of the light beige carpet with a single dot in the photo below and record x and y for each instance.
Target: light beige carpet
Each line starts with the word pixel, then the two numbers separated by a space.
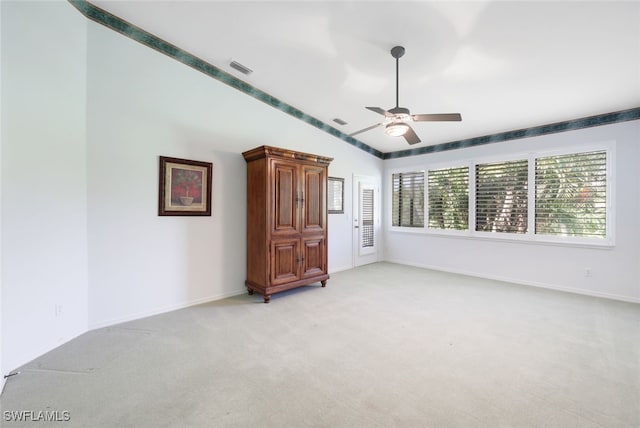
pixel 382 346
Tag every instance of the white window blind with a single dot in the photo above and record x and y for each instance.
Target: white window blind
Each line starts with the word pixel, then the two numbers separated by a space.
pixel 408 199
pixel 448 191
pixel 501 197
pixel 367 217
pixel 571 195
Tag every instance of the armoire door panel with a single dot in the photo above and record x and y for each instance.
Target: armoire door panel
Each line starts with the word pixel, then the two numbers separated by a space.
pixel 285 261
pixel 314 261
pixel 314 212
pixel 285 185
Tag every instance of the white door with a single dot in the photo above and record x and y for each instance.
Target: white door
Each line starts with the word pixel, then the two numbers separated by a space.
pixel 365 220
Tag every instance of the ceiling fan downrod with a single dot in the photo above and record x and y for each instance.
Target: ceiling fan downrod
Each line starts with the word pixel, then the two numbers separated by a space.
pixel 397 52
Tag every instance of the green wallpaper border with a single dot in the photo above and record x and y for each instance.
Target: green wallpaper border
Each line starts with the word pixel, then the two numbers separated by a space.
pixel 569 125
pixel 133 32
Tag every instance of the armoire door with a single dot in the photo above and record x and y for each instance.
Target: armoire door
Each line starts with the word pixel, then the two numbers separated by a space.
pixel 314 260
pixel 315 187
pixel 285 261
pixel 285 197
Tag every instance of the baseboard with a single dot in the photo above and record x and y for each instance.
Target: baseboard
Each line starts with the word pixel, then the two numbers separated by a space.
pixel 521 282
pixel 139 315
pixel 340 269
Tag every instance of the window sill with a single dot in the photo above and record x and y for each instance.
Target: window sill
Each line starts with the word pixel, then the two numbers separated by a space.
pixel 603 244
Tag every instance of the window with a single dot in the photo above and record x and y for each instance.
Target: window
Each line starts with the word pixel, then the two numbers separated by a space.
pixel 502 196
pixel 561 196
pixel 366 217
pixel 408 199
pixel 448 191
pixel 335 198
pixel 571 195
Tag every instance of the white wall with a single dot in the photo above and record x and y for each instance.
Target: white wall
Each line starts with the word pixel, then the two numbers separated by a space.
pixel 43 182
pixel 142 104
pixel 615 271
pixel 2 373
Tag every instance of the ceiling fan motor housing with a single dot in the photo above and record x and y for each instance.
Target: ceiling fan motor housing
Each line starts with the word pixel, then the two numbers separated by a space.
pixel 398 114
pixel 399 111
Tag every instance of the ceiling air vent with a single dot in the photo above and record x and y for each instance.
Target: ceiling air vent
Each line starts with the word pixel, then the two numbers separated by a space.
pixel 241 68
pixel 339 121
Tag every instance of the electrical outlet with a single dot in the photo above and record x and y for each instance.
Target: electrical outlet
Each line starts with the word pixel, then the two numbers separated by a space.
pixel 587 272
pixel 58 310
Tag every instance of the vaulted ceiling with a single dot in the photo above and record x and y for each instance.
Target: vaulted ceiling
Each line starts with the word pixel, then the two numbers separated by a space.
pixel 503 65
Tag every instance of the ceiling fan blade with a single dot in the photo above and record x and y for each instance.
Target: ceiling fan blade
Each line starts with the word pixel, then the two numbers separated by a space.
pixel 365 129
pixel 442 117
pixel 411 136
pixel 379 111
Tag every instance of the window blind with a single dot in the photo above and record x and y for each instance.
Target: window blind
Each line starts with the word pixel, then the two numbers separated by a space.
pixel 448 191
pixel 571 195
pixel 408 199
pixel 366 224
pixel 501 197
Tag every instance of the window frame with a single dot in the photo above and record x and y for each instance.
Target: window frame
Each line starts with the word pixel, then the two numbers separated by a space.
pixel 609 239
pixel 470 198
pixel 473 182
pixel 424 220
pixel 531 236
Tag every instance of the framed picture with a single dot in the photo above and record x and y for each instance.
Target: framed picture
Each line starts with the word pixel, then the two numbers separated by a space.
pixel 336 195
pixel 185 187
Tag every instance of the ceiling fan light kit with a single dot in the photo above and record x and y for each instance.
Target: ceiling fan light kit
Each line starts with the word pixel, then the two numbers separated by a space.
pixel 397 129
pixel 397 118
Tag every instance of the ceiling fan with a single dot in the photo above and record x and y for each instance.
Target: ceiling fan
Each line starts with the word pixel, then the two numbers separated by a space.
pixel 397 119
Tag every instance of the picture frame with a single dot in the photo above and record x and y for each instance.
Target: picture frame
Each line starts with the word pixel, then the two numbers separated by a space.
pixel 335 195
pixel 184 187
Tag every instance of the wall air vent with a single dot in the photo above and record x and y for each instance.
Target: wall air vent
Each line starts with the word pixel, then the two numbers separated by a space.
pixel 241 68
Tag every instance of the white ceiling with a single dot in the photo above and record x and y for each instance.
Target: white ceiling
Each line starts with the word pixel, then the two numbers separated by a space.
pixel 502 65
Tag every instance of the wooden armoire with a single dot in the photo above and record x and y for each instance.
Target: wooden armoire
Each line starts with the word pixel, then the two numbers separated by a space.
pixel 286 220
